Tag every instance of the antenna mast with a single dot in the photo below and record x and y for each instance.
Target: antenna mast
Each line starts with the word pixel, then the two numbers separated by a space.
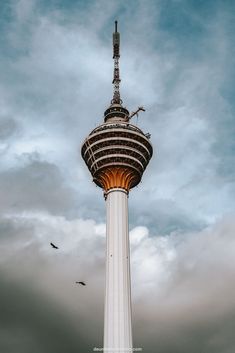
pixel 116 77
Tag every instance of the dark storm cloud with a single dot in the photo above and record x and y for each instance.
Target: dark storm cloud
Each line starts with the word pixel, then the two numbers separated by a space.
pixel 7 127
pixel 36 185
pixel 162 216
pixel 31 322
pixel 39 301
pixel 183 288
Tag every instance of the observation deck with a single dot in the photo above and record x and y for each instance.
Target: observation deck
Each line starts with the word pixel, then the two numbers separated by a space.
pixel 117 152
pixel 119 148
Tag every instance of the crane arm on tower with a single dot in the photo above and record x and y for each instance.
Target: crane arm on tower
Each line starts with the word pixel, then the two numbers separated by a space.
pixel 136 112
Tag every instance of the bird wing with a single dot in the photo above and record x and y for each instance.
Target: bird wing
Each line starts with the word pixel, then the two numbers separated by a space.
pixel 54 246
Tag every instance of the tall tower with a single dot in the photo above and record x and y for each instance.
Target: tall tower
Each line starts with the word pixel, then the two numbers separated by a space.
pixel 117 153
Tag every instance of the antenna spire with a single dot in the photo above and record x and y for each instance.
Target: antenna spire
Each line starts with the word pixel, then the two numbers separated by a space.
pixel 116 76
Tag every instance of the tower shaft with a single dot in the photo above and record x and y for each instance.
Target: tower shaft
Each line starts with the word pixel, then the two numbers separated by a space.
pixel 117 321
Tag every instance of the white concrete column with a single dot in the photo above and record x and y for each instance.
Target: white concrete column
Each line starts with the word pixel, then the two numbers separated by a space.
pixel 117 321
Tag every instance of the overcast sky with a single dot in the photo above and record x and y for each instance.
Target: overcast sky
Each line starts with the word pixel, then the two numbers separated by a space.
pixel 177 60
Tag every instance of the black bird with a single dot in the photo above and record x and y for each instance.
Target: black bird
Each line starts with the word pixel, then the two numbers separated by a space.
pixel 54 246
pixel 82 283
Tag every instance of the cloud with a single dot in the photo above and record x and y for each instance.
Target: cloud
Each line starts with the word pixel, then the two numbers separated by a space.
pixel 7 128
pixel 176 61
pixel 42 283
pixel 188 304
pixel 9 131
pixel 52 84
pixel 36 185
pixel 182 284
pixel 30 322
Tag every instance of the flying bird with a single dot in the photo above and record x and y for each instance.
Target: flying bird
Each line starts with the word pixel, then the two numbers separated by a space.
pixel 54 246
pixel 82 283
